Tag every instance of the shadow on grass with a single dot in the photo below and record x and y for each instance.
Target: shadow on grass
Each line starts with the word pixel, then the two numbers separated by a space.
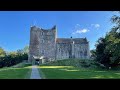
pixel 70 72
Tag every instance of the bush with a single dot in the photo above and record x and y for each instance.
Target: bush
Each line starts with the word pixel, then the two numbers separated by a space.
pixel 11 59
pixel 71 62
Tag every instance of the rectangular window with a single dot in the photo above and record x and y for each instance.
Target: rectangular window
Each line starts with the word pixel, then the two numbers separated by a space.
pixel 43 52
pixel 41 33
pixel 48 41
pixel 59 49
pixel 42 41
pixel 48 33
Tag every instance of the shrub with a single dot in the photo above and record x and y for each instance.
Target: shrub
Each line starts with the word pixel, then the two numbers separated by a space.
pixel 12 59
pixel 72 62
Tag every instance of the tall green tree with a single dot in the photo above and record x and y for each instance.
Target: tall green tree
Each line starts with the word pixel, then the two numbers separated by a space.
pixel 93 54
pixel 102 56
pixel 26 49
pixel 2 52
pixel 113 40
pixel 108 48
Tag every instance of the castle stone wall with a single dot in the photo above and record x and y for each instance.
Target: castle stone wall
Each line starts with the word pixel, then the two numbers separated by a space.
pixel 44 43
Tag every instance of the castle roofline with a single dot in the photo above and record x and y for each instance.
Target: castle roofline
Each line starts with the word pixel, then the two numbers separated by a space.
pixel 70 40
pixel 38 28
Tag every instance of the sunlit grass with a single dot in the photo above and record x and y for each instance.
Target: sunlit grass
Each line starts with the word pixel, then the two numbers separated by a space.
pixel 71 72
pixel 28 67
pixel 56 67
pixel 15 73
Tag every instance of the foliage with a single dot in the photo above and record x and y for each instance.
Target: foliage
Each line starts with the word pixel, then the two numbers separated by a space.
pixel 108 48
pixel 12 58
pixel 2 52
pixel 22 64
pixel 93 54
pixel 26 49
pixel 80 63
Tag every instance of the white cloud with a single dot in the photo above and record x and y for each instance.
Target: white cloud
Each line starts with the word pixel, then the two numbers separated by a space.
pixel 96 25
pixel 77 24
pixel 81 31
pixel 78 30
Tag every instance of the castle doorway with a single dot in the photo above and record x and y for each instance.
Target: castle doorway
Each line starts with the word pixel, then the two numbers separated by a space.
pixel 38 61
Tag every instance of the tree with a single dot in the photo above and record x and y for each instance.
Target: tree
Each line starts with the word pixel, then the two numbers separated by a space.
pixel 114 41
pixel 26 49
pixel 12 58
pixel 20 51
pixel 102 56
pixel 108 48
pixel 2 52
pixel 93 54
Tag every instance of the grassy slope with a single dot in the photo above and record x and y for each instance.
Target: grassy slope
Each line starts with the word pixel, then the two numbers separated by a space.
pixel 70 70
pixel 19 71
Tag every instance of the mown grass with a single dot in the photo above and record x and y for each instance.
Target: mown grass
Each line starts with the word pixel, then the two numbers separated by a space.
pixel 73 70
pixel 20 71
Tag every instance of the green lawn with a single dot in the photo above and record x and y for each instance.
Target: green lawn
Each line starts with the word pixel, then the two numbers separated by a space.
pixel 15 73
pixel 71 72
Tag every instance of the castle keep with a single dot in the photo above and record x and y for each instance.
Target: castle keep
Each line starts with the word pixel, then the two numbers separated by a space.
pixel 46 46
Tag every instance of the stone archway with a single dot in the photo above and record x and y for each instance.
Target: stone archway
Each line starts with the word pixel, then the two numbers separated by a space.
pixel 39 60
pixel 36 60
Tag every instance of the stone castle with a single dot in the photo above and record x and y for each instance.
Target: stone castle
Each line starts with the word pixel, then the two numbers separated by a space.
pixel 46 46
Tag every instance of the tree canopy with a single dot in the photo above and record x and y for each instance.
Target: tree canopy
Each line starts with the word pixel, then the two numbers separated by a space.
pixel 2 52
pixel 108 48
pixel 12 58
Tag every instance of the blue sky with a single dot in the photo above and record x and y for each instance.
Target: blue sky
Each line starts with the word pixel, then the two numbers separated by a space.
pixel 15 25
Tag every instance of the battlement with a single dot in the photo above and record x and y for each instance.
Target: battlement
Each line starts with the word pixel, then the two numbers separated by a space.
pixel 38 28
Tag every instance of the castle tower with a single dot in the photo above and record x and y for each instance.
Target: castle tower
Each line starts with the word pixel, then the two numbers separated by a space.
pixel 42 44
pixel 34 43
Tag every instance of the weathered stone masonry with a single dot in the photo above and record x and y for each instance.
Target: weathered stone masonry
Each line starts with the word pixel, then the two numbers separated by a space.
pixel 44 44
